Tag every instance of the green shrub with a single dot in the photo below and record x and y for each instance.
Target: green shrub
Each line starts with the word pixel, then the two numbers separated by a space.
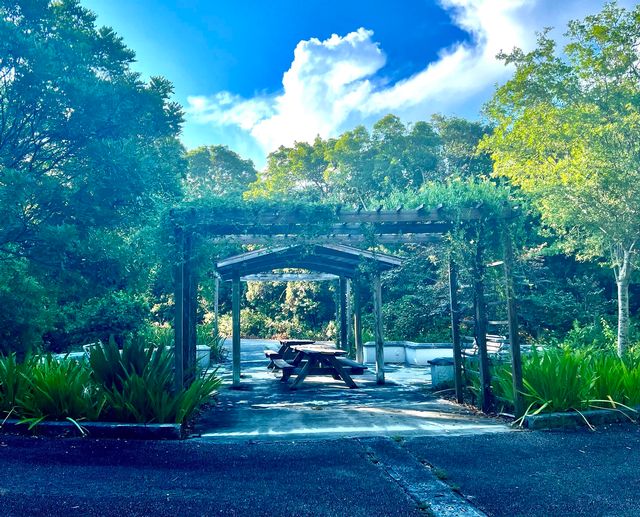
pixel 59 390
pixel 157 335
pixel 600 336
pixel 610 373
pixel 558 379
pixel 26 312
pixel 118 313
pixel 631 385
pixel 564 379
pixel 255 324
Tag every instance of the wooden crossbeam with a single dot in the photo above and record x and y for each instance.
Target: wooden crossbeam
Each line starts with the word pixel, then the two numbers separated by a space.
pixel 343 228
pixel 289 277
pixel 238 218
pixel 341 239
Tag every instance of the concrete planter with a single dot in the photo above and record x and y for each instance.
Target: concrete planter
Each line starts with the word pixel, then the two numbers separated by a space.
pixel 419 354
pixel 408 352
pixel 441 372
pixel 203 357
pixel 394 352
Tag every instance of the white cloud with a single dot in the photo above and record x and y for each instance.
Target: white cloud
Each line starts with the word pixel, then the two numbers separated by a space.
pixel 333 84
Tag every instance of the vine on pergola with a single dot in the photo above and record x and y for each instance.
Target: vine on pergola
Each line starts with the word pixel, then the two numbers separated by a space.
pixel 467 225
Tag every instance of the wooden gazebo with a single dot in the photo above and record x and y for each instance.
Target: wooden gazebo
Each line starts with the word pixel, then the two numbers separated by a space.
pixel 325 228
pixel 344 262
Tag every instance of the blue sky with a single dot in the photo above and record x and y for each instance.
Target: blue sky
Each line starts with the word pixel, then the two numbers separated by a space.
pixel 254 75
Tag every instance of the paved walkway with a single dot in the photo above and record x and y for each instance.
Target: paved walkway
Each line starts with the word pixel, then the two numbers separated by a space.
pixel 266 409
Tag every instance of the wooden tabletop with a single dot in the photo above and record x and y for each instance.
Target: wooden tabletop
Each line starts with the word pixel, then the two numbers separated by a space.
pixel 292 342
pixel 318 349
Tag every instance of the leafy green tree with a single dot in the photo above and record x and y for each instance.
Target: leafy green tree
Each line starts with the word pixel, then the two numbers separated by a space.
pixel 298 171
pixel 404 157
pixel 89 155
pixel 352 157
pixel 216 170
pixel 568 134
pixel 459 139
pixel 83 141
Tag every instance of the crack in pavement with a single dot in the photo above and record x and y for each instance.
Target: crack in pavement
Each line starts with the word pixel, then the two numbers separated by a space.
pixel 430 494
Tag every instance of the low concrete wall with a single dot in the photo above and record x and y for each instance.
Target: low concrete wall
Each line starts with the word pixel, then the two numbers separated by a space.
pixel 572 420
pixel 97 430
pixel 408 352
pixel 420 354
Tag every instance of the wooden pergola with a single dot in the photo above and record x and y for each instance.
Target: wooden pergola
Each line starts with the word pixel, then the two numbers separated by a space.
pixel 286 227
pixel 342 262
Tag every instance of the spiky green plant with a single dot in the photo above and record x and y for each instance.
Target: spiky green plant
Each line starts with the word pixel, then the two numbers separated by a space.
pixel 557 379
pixel 138 384
pixel 13 384
pixel 502 383
pixel 631 385
pixel 59 390
pixel 206 336
pixel 608 384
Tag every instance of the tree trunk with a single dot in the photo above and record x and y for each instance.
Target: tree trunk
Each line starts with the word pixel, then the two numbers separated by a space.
pixel 623 315
pixel 623 277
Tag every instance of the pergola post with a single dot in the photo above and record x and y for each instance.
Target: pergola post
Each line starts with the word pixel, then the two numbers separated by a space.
pixel 235 326
pixel 216 306
pixel 455 330
pixel 378 331
pixel 178 321
pixel 342 294
pixel 512 317
pixel 357 322
pixel 185 311
pixel 480 311
pixel 192 307
pixel 349 317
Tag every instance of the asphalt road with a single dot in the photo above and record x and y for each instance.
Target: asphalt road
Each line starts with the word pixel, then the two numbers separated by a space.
pixel 73 477
pixel 519 473
pixel 542 473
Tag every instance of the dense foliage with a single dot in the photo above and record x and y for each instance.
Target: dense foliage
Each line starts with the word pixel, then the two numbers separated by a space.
pixel 91 164
pixel 89 156
pixel 567 133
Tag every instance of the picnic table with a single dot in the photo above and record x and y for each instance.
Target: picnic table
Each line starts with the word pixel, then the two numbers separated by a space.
pixel 285 352
pixel 313 359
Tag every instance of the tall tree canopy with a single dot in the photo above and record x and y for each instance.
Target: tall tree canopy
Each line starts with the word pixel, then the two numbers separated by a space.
pixel 361 166
pixel 568 133
pixel 89 154
pixel 83 141
pixel 216 170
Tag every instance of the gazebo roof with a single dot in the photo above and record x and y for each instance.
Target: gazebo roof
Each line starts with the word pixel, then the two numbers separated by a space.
pixel 326 258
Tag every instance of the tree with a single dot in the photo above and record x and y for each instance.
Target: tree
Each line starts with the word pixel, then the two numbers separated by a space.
pixel 83 141
pixel 404 156
pixel 568 134
pixel 294 171
pixel 89 156
pixel 351 156
pixel 216 170
pixel 459 139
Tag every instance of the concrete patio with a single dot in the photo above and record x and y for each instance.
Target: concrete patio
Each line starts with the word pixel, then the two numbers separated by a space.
pixel 265 409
